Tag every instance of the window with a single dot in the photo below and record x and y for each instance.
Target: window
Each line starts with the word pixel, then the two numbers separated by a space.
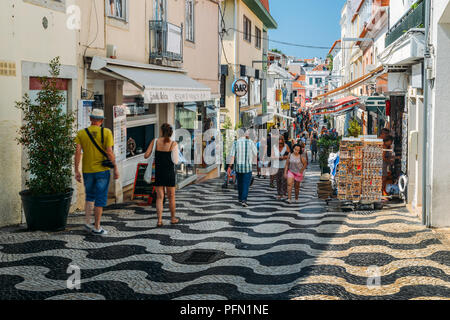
pixel 258 37
pixel 117 9
pixel 247 29
pixel 223 86
pixel 57 5
pixel 160 10
pixel 310 81
pixel 190 20
pixel 255 92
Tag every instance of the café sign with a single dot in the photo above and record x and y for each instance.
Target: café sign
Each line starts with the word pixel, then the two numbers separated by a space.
pixel 240 87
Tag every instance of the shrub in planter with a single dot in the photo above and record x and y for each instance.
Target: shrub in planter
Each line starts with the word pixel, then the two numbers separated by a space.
pixel 47 136
pixel 327 143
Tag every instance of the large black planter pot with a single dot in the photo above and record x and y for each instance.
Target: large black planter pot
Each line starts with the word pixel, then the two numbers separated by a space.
pixel 46 212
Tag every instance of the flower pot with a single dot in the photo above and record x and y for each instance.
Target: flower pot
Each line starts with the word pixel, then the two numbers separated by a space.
pixel 46 212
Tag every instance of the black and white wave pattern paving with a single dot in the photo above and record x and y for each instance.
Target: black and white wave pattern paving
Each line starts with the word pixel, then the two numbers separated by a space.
pixel 270 250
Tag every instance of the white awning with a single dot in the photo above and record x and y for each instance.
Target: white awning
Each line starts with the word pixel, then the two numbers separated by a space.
pixel 158 86
pixel 283 116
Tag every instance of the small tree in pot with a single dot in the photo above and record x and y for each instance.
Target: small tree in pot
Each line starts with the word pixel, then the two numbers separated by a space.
pixel 47 135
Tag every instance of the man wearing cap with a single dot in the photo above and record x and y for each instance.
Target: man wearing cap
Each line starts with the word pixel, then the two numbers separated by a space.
pixel 96 176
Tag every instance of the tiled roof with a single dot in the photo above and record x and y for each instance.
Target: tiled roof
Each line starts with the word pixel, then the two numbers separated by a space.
pixel 297 85
pixel 320 67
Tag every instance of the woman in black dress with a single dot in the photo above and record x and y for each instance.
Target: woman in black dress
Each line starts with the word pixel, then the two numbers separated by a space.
pixel 166 157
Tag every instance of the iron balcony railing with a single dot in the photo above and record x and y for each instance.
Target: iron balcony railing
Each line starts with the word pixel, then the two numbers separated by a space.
pixel 166 41
pixel 414 18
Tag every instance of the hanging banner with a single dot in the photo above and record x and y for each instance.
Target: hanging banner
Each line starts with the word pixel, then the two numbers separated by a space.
pixel 278 95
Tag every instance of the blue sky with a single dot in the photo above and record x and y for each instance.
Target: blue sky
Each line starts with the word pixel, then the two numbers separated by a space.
pixel 310 22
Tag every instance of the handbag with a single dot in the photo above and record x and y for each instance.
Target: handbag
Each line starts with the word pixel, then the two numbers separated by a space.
pixel 106 163
pixel 149 175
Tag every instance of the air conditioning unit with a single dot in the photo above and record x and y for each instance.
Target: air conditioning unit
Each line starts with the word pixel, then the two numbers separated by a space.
pixel 111 51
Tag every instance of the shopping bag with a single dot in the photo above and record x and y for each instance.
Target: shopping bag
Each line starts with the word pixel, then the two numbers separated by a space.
pixel 149 175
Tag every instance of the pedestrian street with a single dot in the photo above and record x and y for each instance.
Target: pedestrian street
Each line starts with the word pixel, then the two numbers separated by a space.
pixel 220 250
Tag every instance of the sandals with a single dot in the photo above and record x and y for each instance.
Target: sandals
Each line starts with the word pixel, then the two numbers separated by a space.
pixel 176 221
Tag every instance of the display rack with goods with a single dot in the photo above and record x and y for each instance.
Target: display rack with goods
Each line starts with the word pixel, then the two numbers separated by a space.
pixel 373 170
pixel 360 170
pixel 349 178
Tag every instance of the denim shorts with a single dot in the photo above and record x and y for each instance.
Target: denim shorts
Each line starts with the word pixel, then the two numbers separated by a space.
pixel 97 185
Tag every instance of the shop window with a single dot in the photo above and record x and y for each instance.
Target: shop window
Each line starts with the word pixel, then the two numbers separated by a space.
pixel 138 139
pixel 247 29
pixel 186 116
pixel 136 111
pixel 117 9
pixel 190 20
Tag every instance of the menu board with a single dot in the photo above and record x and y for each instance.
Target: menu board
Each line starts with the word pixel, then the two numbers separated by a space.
pixel 140 187
pixel 84 110
pixel 120 132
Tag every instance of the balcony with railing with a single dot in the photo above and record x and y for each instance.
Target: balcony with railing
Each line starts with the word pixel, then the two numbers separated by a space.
pixel 414 18
pixel 166 42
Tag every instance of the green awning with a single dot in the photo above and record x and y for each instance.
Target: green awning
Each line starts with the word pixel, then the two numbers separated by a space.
pixel 376 104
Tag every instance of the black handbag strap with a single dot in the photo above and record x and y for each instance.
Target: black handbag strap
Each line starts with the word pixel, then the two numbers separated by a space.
pixel 95 143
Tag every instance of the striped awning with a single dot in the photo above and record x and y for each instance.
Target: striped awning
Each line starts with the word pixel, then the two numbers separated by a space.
pixel 338 105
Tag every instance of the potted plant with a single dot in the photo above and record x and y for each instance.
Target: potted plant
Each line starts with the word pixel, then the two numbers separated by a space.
pixel 47 135
pixel 355 129
pixel 327 143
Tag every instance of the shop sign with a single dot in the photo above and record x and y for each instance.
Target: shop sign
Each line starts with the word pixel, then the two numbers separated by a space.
pixel 240 87
pixel 153 95
pixel 285 106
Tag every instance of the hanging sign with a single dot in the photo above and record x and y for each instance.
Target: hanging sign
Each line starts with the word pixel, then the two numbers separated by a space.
pixel 239 87
pixel 278 95
pixel 285 106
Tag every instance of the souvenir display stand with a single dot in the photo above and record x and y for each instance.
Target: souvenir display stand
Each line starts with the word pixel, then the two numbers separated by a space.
pixel 359 173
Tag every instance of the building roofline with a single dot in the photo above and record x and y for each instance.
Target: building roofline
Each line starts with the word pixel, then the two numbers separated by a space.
pixel 261 12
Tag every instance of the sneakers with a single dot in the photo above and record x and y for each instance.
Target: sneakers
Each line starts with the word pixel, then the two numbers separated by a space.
pixel 100 232
pixel 244 204
pixel 89 227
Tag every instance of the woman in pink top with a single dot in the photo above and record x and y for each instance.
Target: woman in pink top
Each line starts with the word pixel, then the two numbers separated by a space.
pixel 293 171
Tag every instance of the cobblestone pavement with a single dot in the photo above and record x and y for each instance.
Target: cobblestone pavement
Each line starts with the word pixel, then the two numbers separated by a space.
pixel 270 250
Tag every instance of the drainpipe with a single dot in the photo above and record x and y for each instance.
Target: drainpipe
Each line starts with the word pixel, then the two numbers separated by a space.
pixel 425 206
pixel 235 68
